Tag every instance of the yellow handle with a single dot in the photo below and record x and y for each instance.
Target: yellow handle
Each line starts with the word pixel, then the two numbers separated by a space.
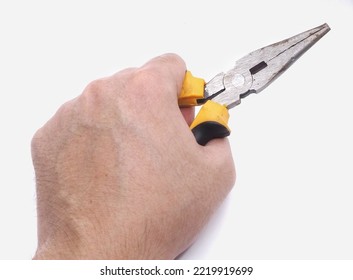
pixel 193 89
pixel 212 112
pixel 210 123
pixel 212 120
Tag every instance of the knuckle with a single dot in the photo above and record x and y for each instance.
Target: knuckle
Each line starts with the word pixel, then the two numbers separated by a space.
pixel 144 84
pixel 36 140
pixel 97 98
pixel 100 103
pixel 95 89
pixel 173 59
pixel 46 132
pixel 145 76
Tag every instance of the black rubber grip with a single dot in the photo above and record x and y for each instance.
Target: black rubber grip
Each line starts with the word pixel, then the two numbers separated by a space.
pixel 206 131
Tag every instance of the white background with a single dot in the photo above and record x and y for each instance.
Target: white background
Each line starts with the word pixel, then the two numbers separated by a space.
pixel 292 143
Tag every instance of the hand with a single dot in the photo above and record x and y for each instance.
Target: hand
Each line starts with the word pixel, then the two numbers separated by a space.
pixel 119 174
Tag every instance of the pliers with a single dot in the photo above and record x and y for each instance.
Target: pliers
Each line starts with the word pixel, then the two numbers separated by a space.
pixel 251 74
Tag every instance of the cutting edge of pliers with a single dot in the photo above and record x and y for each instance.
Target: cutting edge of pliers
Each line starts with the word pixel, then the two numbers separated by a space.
pixel 251 74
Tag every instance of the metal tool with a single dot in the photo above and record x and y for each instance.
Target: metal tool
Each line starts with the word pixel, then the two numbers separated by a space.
pixel 251 74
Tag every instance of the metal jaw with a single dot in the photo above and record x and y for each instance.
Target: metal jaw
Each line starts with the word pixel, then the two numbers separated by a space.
pixel 255 71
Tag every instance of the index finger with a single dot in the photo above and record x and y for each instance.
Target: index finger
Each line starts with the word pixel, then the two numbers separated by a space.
pixel 169 70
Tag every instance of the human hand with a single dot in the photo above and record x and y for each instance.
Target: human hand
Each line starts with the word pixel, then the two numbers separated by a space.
pixel 119 174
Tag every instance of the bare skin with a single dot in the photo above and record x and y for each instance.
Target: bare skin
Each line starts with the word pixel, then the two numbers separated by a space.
pixel 119 174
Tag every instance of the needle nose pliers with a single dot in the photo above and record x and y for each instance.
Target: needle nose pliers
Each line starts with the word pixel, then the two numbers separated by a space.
pixel 251 74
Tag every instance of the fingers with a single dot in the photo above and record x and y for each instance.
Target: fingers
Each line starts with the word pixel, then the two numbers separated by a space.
pixel 169 71
pixel 155 85
pixel 188 114
pixel 170 65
